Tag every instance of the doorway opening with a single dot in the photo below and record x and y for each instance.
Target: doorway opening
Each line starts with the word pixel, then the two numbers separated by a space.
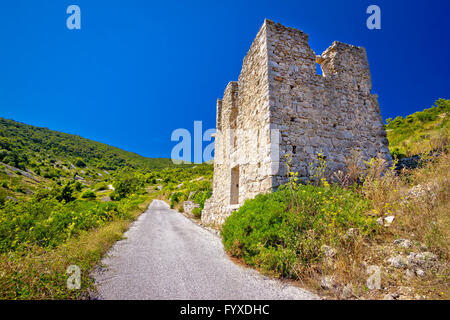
pixel 234 185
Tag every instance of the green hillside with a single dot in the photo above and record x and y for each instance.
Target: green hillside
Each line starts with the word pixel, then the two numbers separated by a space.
pixel 64 200
pixel 33 160
pixel 25 146
pixel 420 132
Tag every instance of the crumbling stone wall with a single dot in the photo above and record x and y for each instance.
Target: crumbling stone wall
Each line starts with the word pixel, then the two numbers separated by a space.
pixel 242 141
pixel 280 105
pixel 188 206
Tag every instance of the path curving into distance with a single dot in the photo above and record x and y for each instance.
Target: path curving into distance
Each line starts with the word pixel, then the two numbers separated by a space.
pixel 167 256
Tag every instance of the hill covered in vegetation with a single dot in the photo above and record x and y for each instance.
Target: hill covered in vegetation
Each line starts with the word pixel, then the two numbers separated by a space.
pixel 33 159
pixel 420 132
pixel 24 146
pixel 64 200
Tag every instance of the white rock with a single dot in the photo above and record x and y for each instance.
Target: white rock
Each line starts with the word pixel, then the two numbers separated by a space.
pixel 328 251
pixel 420 273
pixel 327 282
pixel 388 220
pixel 347 291
pixel 390 296
pixel 404 243
pixel 352 232
pixel 373 282
pixel 423 259
pixel 398 262
pixel 410 273
pixel 427 256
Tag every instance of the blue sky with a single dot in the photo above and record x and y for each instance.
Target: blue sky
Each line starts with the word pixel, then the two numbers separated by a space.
pixel 137 70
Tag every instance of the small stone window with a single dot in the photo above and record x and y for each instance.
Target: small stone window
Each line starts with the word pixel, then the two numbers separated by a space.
pixel 319 70
pixel 294 149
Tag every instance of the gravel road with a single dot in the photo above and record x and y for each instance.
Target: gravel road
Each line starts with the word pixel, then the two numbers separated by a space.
pixel 167 256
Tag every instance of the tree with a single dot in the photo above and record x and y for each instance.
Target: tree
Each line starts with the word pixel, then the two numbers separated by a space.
pixel 88 194
pixel 66 193
pixel 125 184
pixel 80 163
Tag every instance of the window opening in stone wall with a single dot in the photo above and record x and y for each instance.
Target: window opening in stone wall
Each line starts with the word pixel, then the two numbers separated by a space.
pixel 319 69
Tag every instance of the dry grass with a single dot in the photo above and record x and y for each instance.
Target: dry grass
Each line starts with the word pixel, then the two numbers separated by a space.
pixel 419 201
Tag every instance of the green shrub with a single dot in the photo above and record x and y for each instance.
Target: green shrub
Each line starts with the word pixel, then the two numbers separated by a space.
pixel 2 197
pixel 19 189
pixel 125 184
pixel 88 194
pixel 281 236
pixel 66 193
pixel 396 154
pixel 80 163
pixel 78 186
pixel 201 196
pixel 197 213
pixel 176 197
pixel 42 194
pixel 49 223
pixel 101 186
pixel 51 173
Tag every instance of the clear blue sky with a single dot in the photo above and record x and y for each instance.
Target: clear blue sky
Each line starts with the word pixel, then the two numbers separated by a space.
pixel 137 70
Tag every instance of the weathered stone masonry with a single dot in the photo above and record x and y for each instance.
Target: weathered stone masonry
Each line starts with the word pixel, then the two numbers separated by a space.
pixel 280 105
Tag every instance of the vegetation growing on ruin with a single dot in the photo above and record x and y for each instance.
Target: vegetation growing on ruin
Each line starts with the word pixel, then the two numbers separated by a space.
pixel 328 234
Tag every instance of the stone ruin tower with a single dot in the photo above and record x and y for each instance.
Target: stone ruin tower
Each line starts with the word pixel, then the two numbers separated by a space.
pixel 280 105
